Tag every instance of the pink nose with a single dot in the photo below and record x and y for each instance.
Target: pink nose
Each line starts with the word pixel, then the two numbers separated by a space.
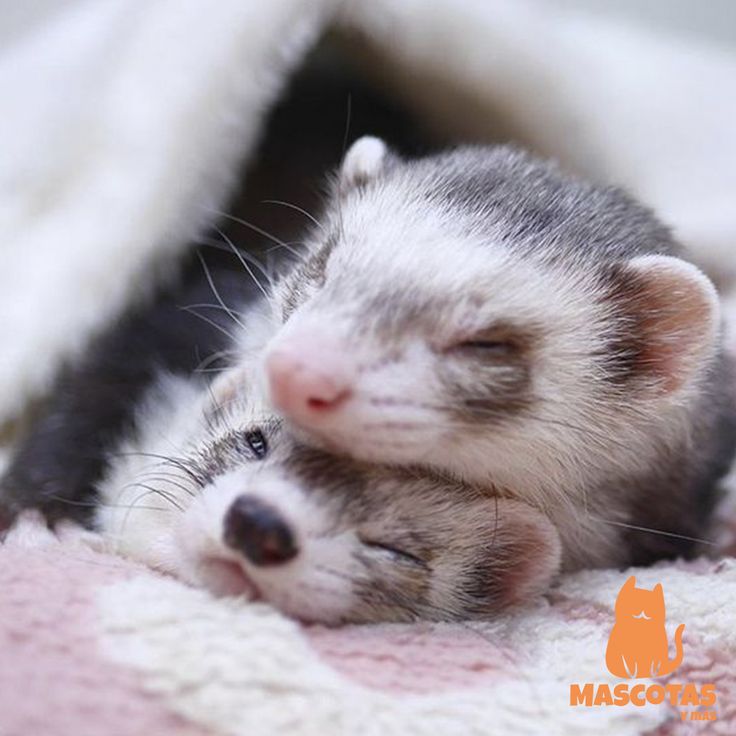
pixel 307 390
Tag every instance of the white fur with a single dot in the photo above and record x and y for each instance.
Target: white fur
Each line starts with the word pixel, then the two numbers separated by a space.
pixel 134 520
pixel 30 531
pixel 301 587
pixel 363 160
pixel 182 532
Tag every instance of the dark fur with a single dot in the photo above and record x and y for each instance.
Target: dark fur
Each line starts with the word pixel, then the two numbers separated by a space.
pixel 680 495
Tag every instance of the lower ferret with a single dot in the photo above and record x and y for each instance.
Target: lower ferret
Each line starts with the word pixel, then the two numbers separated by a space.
pixel 226 499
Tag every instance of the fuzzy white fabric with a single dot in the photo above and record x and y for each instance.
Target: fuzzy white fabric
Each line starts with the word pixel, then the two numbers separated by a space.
pixel 270 678
pixel 614 101
pixel 163 654
pixel 128 120
pixel 167 659
pixel 270 681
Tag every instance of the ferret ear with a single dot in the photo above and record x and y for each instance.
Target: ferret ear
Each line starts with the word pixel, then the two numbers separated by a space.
pixel 525 553
pixel 364 160
pixel 670 323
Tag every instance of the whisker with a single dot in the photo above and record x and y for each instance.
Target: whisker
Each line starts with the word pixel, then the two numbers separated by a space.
pixel 654 531
pixel 97 504
pixel 289 247
pixel 168 479
pixel 211 282
pixel 253 227
pixel 220 354
pixel 207 370
pixel 134 505
pixel 210 322
pixel 224 248
pixel 165 460
pixel 297 209
pixel 348 120
pixel 162 494
pixel 243 262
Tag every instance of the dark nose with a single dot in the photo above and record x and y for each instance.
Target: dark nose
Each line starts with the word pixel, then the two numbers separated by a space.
pixel 258 531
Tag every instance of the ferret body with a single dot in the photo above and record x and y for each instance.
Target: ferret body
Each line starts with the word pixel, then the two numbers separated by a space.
pixel 482 314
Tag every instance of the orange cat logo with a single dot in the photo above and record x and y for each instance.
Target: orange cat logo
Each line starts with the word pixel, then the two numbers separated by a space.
pixel 638 648
pixel 638 645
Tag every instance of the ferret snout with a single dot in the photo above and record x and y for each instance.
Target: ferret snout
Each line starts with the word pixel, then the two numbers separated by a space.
pixel 308 378
pixel 257 530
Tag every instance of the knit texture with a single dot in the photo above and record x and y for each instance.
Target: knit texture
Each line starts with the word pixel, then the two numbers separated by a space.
pixel 93 644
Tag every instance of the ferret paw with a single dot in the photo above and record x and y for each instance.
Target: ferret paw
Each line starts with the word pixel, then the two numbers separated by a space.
pixel 31 531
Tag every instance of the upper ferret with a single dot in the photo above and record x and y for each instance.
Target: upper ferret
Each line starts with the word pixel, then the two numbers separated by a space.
pixel 482 313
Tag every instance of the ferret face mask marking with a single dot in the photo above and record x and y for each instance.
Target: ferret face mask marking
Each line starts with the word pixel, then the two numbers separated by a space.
pixel 482 313
pixel 324 539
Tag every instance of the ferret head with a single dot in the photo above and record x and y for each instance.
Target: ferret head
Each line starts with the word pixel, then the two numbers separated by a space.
pixel 253 513
pixel 483 313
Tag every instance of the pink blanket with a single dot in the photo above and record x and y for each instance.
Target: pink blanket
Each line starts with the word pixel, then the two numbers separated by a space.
pixel 93 644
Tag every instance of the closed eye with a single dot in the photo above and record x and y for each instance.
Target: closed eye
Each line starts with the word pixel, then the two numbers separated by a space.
pixel 396 553
pixel 495 346
pixel 498 341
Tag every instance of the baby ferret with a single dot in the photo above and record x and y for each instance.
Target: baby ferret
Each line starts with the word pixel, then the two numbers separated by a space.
pixel 483 314
pixel 224 498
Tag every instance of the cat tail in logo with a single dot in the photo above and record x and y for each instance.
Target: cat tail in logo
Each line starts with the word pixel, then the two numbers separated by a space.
pixel 672 664
pixel 638 644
